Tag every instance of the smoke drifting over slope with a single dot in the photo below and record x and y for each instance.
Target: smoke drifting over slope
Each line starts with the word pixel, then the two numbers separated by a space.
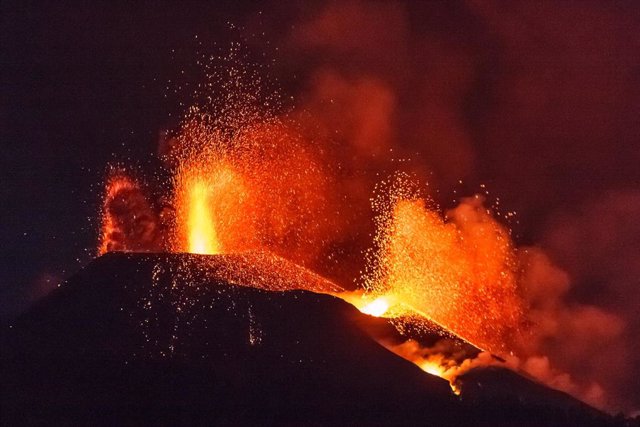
pixel 540 102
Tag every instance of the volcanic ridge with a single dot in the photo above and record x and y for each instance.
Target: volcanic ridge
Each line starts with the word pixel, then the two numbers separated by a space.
pixel 240 339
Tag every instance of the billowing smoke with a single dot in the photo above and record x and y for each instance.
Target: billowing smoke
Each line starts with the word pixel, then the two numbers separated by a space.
pixel 129 223
pixel 575 347
pixel 540 102
pixel 596 243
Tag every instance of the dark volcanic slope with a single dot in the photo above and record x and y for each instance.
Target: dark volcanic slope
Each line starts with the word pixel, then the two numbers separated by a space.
pixel 165 339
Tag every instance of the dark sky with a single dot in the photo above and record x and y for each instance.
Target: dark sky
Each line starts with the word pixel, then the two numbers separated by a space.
pixel 539 101
pixel 83 85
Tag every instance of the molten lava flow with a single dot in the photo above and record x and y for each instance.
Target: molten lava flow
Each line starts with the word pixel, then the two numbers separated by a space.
pixel 444 360
pixel 459 272
pixel 378 306
pixel 432 367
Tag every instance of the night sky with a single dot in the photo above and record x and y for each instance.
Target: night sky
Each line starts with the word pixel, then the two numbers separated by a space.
pixel 83 86
pixel 540 102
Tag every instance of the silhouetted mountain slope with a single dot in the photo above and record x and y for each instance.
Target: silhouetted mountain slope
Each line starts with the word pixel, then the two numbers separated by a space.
pixel 162 339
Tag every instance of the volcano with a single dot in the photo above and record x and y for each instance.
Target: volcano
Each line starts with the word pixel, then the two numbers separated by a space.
pixel 243 339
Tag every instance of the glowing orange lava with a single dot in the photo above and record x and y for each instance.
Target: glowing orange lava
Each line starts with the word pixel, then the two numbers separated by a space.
pixel 458 272
pixel 209 207
pixel 202 234
pixel 377 308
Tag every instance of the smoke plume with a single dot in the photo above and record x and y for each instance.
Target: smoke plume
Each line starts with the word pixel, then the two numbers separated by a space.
pixel 129 223
pixel 540 102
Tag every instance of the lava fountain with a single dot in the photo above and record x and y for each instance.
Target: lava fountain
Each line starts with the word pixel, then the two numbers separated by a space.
pixel 209 202
pixel 202 235
pixel 459 271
